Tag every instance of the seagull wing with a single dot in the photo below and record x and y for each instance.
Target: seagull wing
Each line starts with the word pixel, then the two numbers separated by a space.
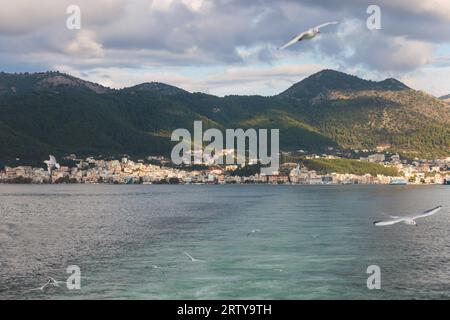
pixel 427 213
pixel 55 282
pixel 293 41
pixel 326 24
pixel 36 289
pixel 41 288
pixel 189 256
pixel 389 222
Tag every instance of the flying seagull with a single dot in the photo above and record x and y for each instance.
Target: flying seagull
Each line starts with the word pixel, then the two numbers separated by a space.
pixel 51 281
pixel 408 219
pixel 307 35
pixel 55 282
pixel 43 287
pixel 192 258
pixel 51 164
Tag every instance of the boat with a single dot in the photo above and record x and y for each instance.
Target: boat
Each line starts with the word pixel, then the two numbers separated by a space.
pixel 398 182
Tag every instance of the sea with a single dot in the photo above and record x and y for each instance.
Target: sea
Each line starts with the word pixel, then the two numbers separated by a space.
pixel 222 242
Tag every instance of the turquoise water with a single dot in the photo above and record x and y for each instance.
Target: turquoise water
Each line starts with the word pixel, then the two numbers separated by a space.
pixel 312 242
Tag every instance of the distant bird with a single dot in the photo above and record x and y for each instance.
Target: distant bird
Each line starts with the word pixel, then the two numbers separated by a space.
pixel 307 35
pixel 51 164
pixel 253 232
pixel 192 258
pixel 408 219
pixel 43 287
pixel 51 281
pixel 55 282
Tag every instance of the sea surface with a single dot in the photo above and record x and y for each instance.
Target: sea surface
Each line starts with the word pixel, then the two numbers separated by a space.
pixel 254 242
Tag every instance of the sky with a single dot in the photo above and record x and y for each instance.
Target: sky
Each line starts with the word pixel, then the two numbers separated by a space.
pixel 227 47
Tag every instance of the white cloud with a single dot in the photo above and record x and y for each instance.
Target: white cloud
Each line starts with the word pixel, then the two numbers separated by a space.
pixel 432 80
pixel 24 16
pixel 237 37
pixel 85 45
pixel 437 8
pixel 375 50
pixel 194 5
pixel 258 80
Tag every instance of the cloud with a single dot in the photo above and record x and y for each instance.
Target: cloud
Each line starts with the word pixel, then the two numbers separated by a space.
pixel 281 72
pixel 221 35
pixel 262 80
pixel 395 54
pixel 425 80
pixel 24 16
pixel 194 5
pixel 85 45
pixel 436 8
pixel 216 29
pixel 354 45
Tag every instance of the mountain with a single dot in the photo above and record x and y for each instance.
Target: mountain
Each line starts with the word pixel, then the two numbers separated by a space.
pixel 330 80
pixel 52 112
pixel 45 81
pixel 446 98
pixel 157 87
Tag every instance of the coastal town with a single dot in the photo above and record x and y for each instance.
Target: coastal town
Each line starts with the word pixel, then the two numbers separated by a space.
pixel 158 170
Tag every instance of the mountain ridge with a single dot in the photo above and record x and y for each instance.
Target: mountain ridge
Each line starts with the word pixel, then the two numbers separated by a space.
pixel 330 80
pixel 57 113
pixel 13 83
pixel 55 79
pixel 445 98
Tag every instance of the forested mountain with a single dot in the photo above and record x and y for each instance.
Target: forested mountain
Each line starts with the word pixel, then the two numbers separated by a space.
pixel 52 112
pixel 446 98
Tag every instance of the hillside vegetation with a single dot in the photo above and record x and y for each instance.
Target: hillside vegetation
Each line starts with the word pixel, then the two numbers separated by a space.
pixel 327 166
pixel 52 112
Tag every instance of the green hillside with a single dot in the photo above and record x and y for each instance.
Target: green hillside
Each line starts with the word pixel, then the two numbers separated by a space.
pixel 328 166
pixel 56 113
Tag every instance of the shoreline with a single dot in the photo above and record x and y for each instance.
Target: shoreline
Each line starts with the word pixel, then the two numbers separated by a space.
pixel 226 184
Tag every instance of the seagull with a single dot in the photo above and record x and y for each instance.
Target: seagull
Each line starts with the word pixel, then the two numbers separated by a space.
pixel 51 164
pixel 55 282
pixel 50 281
pixel 43 287
pixel 253 232
pixel 192 258
pixel 307 35
pixel 408 219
